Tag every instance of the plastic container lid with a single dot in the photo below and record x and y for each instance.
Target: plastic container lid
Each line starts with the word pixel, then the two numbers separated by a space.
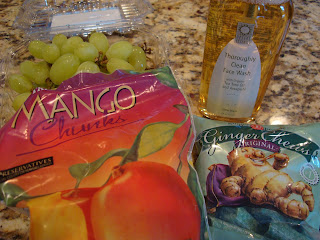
pixel 45 18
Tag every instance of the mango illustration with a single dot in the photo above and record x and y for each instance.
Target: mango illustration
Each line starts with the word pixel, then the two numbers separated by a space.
pixel 55 218
pixel 143 201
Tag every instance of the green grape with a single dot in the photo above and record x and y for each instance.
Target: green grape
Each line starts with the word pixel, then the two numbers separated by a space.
pixel 20 83
pixel 116 63
pixel 26 68
pixel 121 49
pixel 86 52
pixel 50 53
pixel 36 72
pixel 35 48
pixel 64 67
pixel 41 72
pixel 100 41
pixel 71 44
pixel 138 58
pixel 19 100
pixel 89 67
pixel 59 40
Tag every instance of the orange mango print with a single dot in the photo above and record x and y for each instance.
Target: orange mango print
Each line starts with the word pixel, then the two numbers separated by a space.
pixel 143 201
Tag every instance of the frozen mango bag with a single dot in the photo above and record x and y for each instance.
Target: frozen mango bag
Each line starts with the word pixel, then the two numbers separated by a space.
pixel 259 182
pixel 104 157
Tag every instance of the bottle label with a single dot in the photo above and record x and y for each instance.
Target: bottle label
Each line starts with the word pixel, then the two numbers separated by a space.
pixel 236 76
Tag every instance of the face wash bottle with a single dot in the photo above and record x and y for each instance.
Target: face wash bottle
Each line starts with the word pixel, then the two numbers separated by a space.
pixel 243 43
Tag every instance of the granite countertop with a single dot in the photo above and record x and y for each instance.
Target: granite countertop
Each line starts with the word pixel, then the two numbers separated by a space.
pixel 292 96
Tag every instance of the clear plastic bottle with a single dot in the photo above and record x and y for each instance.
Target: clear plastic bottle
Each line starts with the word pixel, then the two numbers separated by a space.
pixel 243 43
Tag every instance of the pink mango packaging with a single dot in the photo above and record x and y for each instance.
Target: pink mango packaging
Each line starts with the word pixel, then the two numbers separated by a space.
pixel 105 157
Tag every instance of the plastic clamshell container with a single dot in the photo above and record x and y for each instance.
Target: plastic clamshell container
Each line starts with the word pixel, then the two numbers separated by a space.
pixel 155 47
pixel 45 18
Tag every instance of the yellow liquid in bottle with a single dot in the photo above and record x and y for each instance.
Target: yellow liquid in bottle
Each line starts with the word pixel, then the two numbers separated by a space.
pixel 271 21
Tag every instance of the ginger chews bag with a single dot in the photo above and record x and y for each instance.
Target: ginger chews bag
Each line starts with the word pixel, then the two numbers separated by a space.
pixel 104 157
pixel 259 182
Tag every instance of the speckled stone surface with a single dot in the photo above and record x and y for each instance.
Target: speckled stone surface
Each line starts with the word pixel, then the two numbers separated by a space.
pixel 292 97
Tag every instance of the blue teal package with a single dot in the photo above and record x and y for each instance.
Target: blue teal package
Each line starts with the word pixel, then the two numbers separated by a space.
pixel 259 182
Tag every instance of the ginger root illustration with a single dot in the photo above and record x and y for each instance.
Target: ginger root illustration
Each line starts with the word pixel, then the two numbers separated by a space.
pixel 262 183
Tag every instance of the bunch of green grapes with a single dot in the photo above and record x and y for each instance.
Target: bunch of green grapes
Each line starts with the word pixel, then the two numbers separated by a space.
pixel 65 57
